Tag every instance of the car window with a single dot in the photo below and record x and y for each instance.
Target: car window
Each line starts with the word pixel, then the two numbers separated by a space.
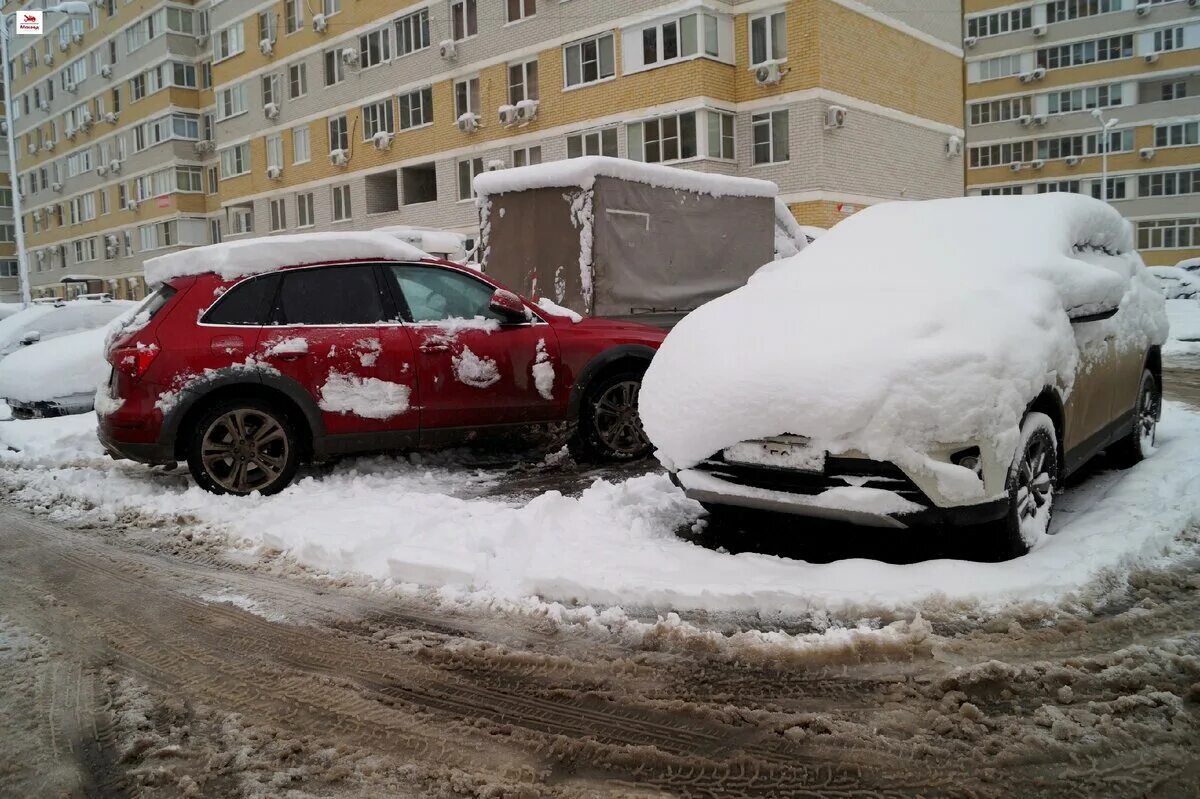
pixel 434 294
pixel 335 295
pixel 247 303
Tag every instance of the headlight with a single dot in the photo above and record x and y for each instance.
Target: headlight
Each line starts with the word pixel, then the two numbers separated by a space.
pixel 969 459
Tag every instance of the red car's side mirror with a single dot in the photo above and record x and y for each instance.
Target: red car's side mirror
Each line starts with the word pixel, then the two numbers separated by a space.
pixel 509 306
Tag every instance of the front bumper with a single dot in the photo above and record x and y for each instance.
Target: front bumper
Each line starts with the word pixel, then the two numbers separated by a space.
pixel 51 408
pixel 881 495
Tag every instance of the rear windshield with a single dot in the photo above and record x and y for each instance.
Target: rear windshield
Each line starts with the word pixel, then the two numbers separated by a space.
pixel 154 303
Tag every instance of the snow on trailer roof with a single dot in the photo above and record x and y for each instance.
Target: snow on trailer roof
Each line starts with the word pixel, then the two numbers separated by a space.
pixel 582 173
pixel 234 259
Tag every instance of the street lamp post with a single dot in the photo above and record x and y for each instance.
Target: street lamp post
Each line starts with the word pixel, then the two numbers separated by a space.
pixel 74 8
pixel 1105 126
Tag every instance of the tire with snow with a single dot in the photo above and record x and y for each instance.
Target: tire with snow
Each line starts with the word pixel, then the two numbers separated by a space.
pixel 1031 482
pixel 609 426
pixel 240 446
pixel 1139 443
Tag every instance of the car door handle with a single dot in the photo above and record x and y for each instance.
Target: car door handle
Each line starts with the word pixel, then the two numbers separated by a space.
pixel 290 356
pixel 434 346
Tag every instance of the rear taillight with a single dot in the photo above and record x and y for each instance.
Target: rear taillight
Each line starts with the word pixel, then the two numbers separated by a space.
pixel 133 361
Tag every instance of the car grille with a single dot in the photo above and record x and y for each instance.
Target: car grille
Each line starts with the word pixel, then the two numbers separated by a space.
pixel 878 474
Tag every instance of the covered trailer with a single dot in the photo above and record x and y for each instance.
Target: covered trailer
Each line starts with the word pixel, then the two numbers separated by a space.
pixel 616 238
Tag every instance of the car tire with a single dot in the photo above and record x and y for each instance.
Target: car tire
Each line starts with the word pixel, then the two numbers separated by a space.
pixel 1138 444
pixel 1032 479
pixel 609 426
pixel 243 446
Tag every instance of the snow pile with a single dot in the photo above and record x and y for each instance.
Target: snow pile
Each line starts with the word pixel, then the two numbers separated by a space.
pixel 554 309
pixel 582 173
pixel 287 346
pixel 234 259
pixel 615 543
pixel 367 397
pixel 1185 329
pixel 61 367
pixel 471 370
pixel 543 372
pixel 790 238
pixel 907 325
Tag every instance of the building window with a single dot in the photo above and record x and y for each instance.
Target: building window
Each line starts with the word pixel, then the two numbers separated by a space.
pixel 1001 67
pixel 1110 48
pixel 678 38
pixel 270 90
pixel 275 151
pixel 1174 90
pixel 412 32
pixel 301 149
pixel 1063 10
pixel 341 203
pixel 297 81
pixel 669 138
pixel 720 135
pixel 1169 184
pixel 377 118
pixel 304 210
pixel 416 108
pixel 212 180
pixel 1059 186
pixel 1001 154
pixel 771 137
pixel 266 26
pixel 1177 135
pixel 1116 189
pixel 467 170
pixel 466 97
pixel 593 142
pixel 228 42
pixel 1002 191
pixel 464 19
pixel 1065 102
pixel 418 184
pixel 374 48
pixel 382 192
pixel 335 70
pixel 1169 234
pixel 1168 39
pixel 527 156
pixel 235 161
pixel 278 214
pixel 331 7
pixel 1002 22
pixel 339 134
pixel 293 14
pixel 241 218
pixel 522 81
pixel 589 61
pixel 768 38
pixel 1001 110
pixel 231 101
pixel 521 9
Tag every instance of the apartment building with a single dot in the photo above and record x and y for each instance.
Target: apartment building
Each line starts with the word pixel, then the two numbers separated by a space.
pixel 10 289
pixel 196 122
pixel 1039 72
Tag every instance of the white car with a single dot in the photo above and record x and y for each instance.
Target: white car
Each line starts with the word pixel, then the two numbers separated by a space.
pixel 949 361
pixel 1189 265
pixel 46 320
pixel 1176 283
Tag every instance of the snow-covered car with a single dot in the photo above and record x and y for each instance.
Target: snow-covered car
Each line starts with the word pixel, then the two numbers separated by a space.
pixel 56 377
pixel 46 320
pixel 1189 265
pixel 949 361
pixel 1176 283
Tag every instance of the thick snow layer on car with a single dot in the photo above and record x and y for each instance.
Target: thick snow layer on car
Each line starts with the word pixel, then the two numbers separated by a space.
pixel 7 309
pixel 234 259
pixel 442 243
pixel 51 320
pixel 367 397
pixel 582 173
pixel 905 326
pixel 60 367
pixel 424 522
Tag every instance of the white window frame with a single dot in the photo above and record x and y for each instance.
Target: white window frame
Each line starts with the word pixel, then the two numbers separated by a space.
pixel 340 208
pixel 579 43
pixel 770 20
pixel 768 119
pixel 301 134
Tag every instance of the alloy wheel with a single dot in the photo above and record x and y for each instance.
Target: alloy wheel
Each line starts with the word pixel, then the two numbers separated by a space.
pixel 1147 423
pixel 616 419
pixel 245 450
pixel 1035 484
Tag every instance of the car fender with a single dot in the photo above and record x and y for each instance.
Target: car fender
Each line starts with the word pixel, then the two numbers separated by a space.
pixel 226 377
pixel 597 364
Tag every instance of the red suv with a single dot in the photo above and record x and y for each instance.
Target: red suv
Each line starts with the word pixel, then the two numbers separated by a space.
pixel 247 378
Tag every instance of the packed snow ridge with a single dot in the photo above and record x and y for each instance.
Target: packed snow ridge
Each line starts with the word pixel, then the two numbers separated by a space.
pixel 921 324
pixel 234 259
pixel 582 173
pixel 367 397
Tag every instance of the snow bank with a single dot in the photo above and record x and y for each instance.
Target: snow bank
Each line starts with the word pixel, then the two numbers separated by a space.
pixel 367 397
pixel 7 309
pixel 614 544
pixel 234 259
pixel 582 173
pixel 61 367
pixel 905 326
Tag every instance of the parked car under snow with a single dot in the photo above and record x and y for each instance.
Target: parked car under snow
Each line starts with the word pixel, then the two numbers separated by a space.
pixel 1176 283
pixel 56 377
pixel 923 362
pixel 46 320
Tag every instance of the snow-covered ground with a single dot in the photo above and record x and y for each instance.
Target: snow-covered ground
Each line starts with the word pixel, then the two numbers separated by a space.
pixel 420 522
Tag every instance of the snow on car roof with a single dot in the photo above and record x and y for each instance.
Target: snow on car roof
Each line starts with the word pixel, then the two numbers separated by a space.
pixel 906 326
pixel 427 239
pixel 234 259
pixel 582 172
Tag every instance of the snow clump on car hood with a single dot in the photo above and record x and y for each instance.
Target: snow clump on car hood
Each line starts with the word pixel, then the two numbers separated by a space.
pixel 908 325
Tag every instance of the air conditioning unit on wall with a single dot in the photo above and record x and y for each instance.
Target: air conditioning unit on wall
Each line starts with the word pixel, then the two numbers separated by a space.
pixel 835 117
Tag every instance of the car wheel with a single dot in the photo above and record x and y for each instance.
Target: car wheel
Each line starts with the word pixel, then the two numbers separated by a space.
pixel 609 426
pixel 1138 444
pixel 1031 482
pixel 242 446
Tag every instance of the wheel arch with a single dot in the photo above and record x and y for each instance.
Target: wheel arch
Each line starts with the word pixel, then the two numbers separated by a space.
pixel 281 391
pixel 610 361
pixel 1154 364
pixel 1050 402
